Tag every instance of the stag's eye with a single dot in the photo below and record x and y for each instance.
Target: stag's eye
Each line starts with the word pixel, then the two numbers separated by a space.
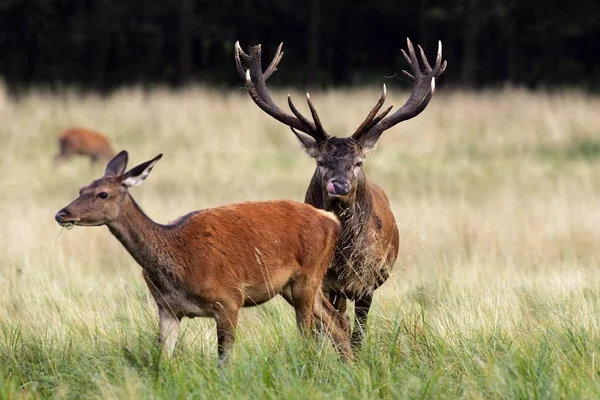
pixel 102 195
pixel 358 164
pixel 320 163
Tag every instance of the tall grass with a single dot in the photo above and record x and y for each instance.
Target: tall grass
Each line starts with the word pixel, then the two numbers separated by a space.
pixel 496 292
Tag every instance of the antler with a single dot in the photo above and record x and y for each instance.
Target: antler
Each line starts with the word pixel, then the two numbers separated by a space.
pixel 250 69
pixel 423 89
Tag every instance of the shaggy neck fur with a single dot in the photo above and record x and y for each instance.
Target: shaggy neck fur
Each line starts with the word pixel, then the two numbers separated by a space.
pixel 353 211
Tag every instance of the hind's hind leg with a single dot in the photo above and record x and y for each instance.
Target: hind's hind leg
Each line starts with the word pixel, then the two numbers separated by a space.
pixel 329 318
pixel 64 152
pixel 301 294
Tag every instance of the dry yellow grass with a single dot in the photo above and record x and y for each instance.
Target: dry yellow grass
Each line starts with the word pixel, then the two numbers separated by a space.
pixel 495 193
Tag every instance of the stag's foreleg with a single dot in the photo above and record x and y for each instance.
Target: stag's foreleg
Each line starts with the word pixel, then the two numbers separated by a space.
pixel 362 305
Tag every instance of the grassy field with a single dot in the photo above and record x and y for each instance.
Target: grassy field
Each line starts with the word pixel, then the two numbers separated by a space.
pixel 496 293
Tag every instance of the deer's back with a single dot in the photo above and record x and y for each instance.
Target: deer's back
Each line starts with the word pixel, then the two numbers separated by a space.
pixel 250 243
pixel 86 141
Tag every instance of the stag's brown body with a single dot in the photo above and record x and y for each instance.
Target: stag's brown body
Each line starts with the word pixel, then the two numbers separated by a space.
pixel 369 242
pixel 83 141
pixel 210 263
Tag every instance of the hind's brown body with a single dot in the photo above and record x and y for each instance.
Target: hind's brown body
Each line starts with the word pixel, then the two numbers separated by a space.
pixel 83 141
pixel 213 262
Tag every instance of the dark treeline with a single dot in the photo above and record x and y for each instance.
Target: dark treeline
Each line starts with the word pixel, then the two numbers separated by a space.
pixel 102 44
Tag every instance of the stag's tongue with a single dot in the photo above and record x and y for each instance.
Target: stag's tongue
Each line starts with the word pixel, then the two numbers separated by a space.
pixel 331 188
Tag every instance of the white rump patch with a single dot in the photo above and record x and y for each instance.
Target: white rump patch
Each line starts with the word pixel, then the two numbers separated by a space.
pixel 329 215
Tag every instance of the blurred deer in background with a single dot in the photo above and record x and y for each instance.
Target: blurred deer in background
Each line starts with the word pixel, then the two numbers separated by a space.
pixel 369 242
pixel 210 263
pixel 78 140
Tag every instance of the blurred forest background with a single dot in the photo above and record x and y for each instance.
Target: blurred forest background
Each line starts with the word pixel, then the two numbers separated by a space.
pixel 104 44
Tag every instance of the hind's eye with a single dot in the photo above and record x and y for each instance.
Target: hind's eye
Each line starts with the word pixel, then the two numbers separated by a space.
pixel 102 195
pixel 320 163
pixel 358 164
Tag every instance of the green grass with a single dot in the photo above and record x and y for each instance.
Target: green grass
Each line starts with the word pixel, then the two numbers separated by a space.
pixel 404 357
pixel 496 292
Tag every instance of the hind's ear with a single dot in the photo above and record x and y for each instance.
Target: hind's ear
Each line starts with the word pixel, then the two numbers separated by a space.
pixel 136 175
pixel 117 165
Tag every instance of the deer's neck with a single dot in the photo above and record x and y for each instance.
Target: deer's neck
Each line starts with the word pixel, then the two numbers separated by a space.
pixel 144 239
pixel 353 212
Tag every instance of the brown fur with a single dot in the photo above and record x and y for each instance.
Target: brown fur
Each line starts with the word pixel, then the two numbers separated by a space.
pixel 83 141
pixel 369 242
pixel 210 263
pixel 368 245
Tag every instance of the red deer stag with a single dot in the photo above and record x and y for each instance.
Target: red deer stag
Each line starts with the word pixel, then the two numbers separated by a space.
pixel 211 263
pixel 83 141
pixel 369 242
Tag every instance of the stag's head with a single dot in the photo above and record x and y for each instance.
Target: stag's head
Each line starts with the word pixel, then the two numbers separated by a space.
pixel 339 159
pixel 101 201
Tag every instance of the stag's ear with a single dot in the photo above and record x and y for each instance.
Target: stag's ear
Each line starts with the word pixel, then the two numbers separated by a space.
pixel 310 145
pixel 117 165
pixel 136 175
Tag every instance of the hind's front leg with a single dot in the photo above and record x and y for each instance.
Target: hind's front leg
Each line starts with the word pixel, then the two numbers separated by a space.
pixel 226 316
pixel 339 303
pixel 169 329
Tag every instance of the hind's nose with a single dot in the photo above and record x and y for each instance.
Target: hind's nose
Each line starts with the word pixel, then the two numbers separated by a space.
pixel 62 214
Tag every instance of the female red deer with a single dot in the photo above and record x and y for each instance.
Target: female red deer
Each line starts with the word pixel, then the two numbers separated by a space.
pixel 83 141
pixel 368 244
pixel 211 263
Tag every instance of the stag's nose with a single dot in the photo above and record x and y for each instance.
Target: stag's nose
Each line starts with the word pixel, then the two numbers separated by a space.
pixel 338 187
pixel 62 214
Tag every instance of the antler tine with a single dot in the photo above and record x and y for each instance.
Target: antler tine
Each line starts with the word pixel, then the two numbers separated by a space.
pixel 238 63
pixel 408 75
pixel 414 62
pixel 423 90
pixel 299 115
pixel 273 66
pixel 379 118
pixel 425 62
pixel 438 58
pixel 315 116
pixel 245 56
pixel 257 89
pixel 256 63
pixel 260 94
pixel 367 122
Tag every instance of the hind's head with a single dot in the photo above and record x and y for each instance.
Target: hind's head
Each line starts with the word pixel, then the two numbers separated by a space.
pixel 101 201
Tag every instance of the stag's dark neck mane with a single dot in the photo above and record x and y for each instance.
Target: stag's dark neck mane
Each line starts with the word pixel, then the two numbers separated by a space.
pixel 351 266
pixel 353 212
